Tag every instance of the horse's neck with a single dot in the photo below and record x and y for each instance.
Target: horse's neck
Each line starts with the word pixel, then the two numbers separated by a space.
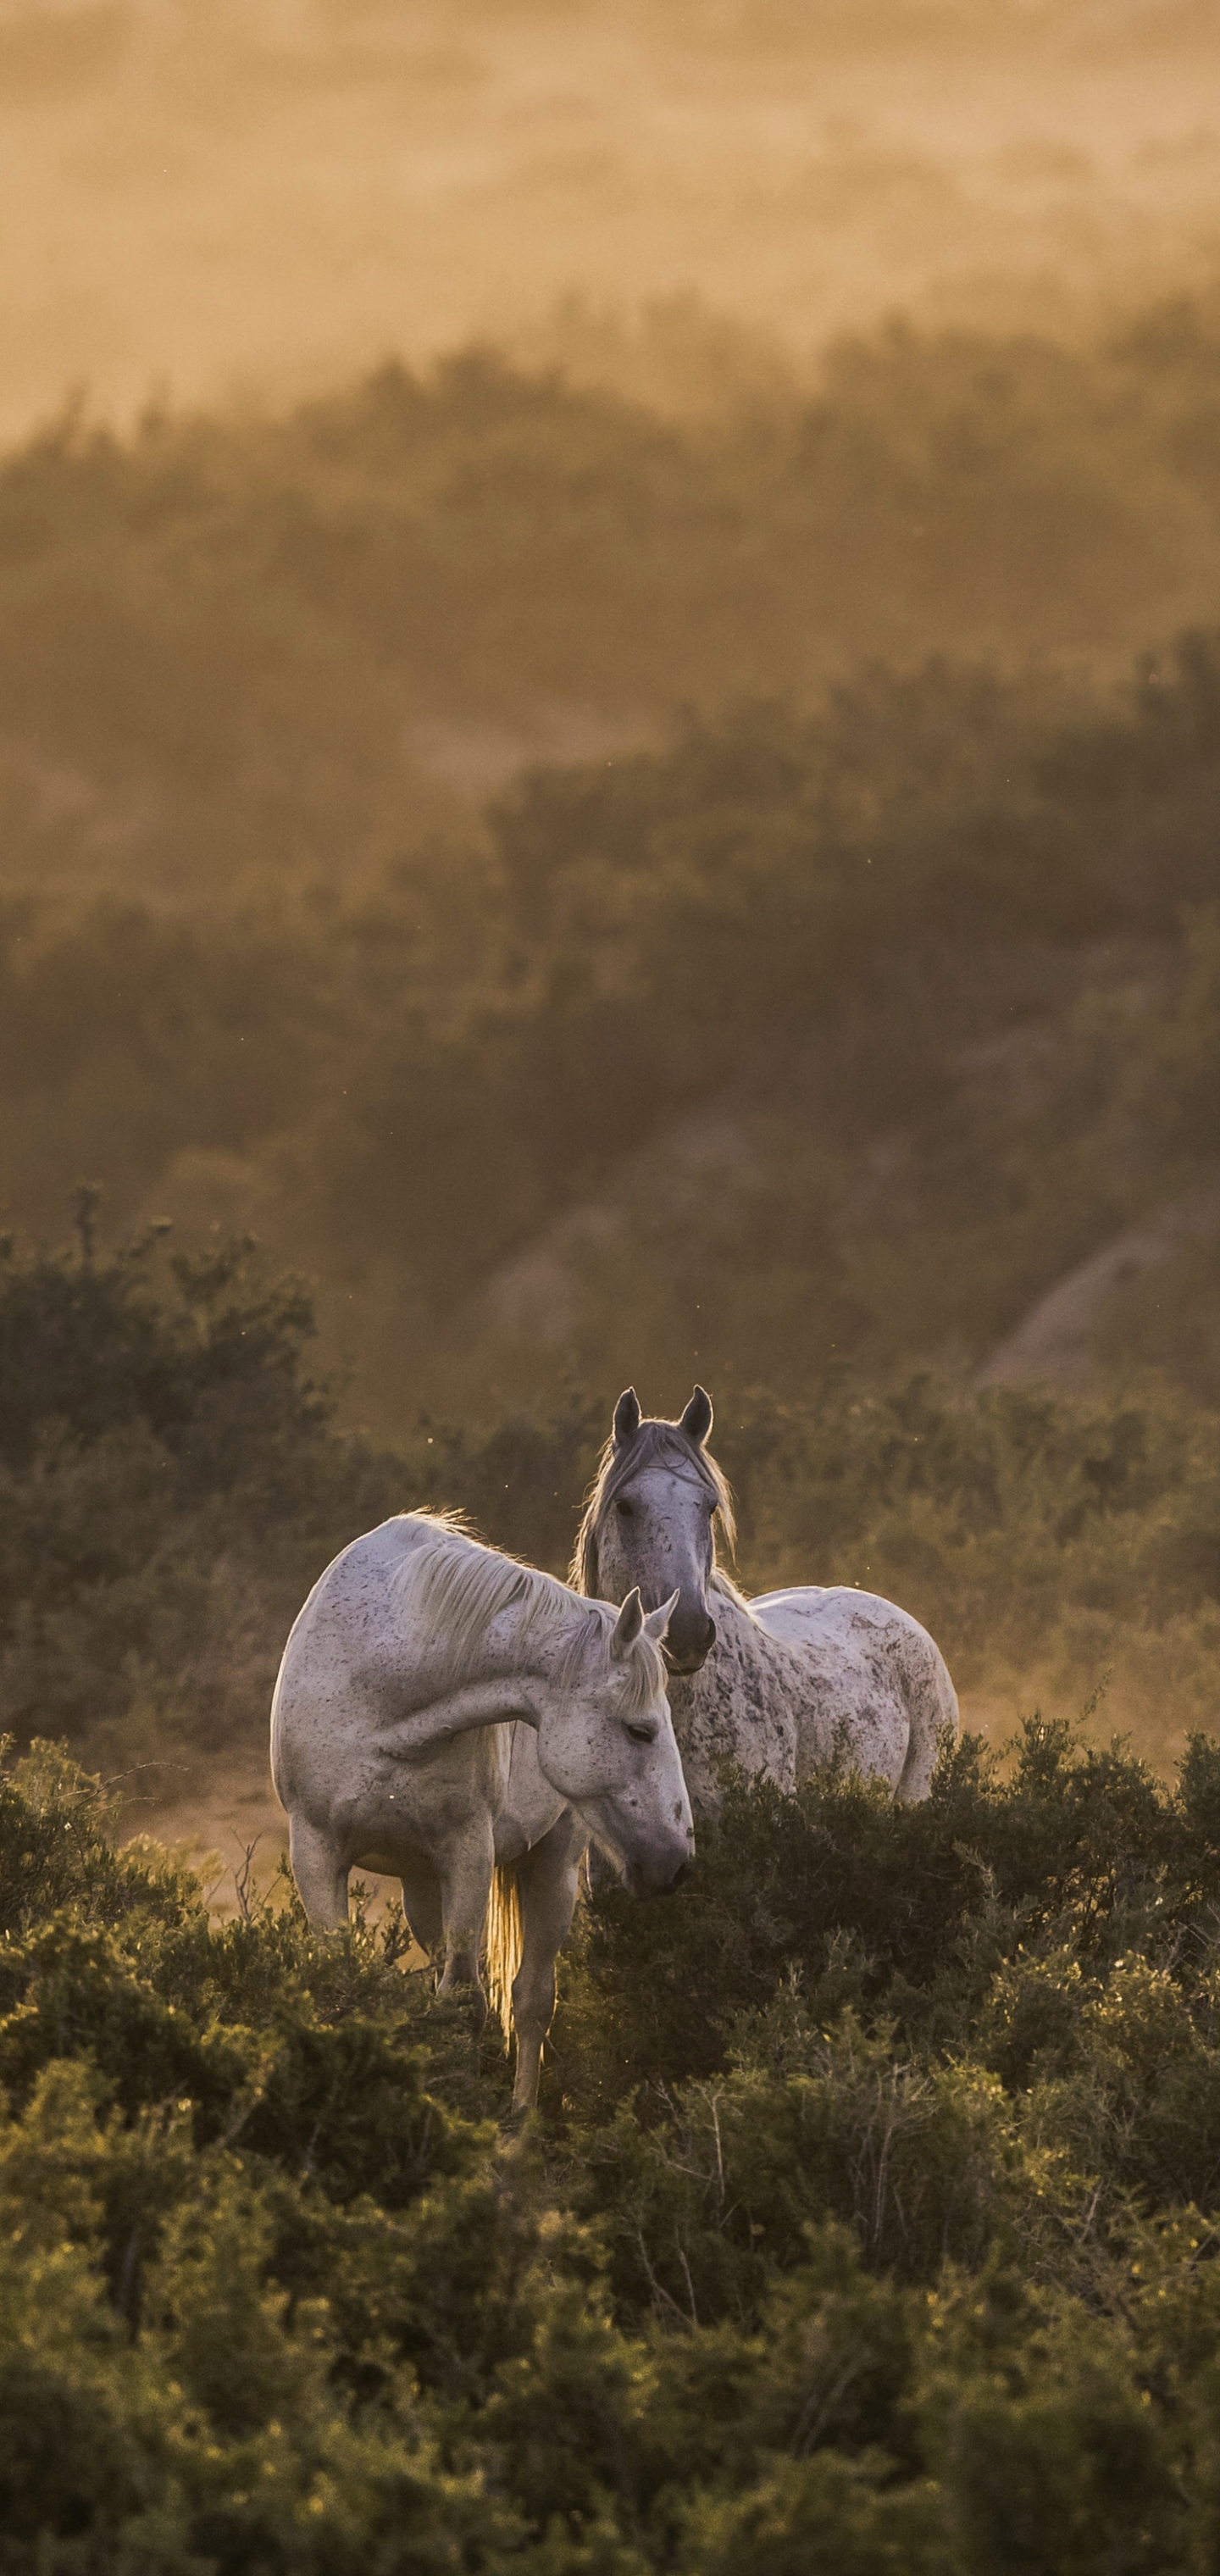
pixel 743 1633
pixel 532 1641
pixel 515 1668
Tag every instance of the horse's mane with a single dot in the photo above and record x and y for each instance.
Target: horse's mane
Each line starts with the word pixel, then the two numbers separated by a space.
pixel 723 1583
pixel 656 1442
pixel 459 1586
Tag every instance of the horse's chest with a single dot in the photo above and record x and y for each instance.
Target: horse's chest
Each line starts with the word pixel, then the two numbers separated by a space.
pixel 732 1711
pixel 529 1806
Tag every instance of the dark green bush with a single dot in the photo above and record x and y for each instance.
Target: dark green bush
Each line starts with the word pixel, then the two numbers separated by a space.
pixel 170 1485
pixel 906 1910
pixel 918 2270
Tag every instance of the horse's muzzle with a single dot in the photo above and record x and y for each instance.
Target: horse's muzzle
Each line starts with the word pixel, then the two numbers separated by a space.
pixel 688 1652
pixel 643 1881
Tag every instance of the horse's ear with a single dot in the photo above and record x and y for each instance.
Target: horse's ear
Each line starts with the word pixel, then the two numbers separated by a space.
pixel 658 1621
pixel 696 1422
pixel 627 1417
pixel 627 1626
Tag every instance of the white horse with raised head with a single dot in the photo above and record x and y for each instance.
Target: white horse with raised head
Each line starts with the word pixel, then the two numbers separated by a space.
pixel 780 1683
pixel 463 1722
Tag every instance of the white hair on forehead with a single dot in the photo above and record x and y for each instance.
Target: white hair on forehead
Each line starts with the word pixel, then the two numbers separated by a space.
pixel 458 1586
pixel 655 1444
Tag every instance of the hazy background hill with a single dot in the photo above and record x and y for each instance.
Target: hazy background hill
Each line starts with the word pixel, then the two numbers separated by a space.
pixel 238 652
pixel 609 740
pixel 836 992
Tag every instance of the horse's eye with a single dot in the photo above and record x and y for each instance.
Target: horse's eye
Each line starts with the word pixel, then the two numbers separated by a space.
pixel 642 1734
pixel 626 1510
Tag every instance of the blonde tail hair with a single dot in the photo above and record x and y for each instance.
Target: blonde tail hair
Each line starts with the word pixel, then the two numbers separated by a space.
pixel 502 1946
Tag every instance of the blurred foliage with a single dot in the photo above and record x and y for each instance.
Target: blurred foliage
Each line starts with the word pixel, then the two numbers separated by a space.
pixel 217 627
pixel 869 2217
pixel 849 1032
pixel 850 1019
pixel 169 1485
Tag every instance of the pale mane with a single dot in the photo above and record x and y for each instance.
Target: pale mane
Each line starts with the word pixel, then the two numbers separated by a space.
pixel 724 1584
pixel 459 1586
pixel 656 1442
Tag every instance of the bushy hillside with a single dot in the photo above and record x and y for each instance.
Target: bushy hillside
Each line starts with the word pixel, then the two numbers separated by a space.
pixel 869 2218
pixel 846 1033
pixel 243 651
pixel 844 1019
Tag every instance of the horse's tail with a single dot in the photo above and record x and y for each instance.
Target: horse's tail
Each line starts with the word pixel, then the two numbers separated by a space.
pixel 502 1945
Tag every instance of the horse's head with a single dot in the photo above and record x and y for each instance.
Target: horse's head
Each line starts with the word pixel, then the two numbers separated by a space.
pixel 606 1742
pixel 651 1523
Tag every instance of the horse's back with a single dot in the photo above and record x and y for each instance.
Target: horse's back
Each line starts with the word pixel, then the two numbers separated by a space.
pixel 839 1610
pixel 889 1693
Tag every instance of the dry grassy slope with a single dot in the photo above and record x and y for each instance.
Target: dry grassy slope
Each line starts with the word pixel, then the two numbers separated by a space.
pixel 1054 1343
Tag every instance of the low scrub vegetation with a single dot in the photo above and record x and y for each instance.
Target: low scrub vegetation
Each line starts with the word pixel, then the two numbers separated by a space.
pixel 870 2217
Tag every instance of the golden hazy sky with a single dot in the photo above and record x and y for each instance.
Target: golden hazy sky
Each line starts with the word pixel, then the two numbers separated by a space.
pixel 204 196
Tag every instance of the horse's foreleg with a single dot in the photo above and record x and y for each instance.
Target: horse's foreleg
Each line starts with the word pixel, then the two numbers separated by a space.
pixel 547 1882
pixel 421 1903
pixel 465 1874
pixel 320 1874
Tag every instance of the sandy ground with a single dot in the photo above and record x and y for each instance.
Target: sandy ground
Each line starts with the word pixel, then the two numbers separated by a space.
pixel 226 1821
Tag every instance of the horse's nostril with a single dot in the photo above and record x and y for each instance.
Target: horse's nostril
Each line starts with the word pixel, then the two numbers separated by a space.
pixel 682 1871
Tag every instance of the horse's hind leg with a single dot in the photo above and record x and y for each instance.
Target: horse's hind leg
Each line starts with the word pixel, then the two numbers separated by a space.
pixel 466 1867
pixel 320 1874
pixel 547 1882
pixel 933 1711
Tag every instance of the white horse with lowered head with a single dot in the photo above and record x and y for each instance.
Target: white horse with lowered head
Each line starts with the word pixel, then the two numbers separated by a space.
pixel 447 1715
pixel 778 1684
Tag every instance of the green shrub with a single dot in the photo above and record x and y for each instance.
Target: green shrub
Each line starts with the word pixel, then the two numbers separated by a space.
pixel 170 1484
pixel 917 2271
